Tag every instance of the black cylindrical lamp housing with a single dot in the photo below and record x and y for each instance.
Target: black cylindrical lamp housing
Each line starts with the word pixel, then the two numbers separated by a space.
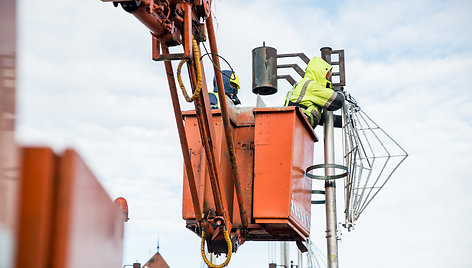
pixel 264 70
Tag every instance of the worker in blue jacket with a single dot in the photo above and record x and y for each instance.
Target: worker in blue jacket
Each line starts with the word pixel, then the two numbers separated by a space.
pixel 231 86
pixel 314 92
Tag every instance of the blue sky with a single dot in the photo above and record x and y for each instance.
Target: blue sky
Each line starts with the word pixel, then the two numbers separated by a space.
pixel 86 80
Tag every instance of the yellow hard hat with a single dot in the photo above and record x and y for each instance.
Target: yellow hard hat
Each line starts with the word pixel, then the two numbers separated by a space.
pixel 234 79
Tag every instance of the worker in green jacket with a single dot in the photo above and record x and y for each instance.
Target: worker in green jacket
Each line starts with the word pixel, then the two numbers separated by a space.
pixel 314 92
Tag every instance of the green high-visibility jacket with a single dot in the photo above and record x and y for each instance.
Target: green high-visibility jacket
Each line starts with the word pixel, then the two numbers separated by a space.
pixel 214 100
pixel 314 92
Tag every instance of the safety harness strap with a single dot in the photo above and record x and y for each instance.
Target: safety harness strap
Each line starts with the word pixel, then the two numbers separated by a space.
pixel 297 104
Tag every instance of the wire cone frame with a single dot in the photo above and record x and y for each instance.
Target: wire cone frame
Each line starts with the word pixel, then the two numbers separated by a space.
pixel 371 155
pixel 316 257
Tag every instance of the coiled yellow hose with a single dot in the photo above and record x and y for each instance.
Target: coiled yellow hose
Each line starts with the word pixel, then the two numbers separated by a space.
pixel 228 256
pixel 199 74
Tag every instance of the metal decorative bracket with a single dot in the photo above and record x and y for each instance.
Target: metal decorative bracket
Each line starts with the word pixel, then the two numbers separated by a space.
pixel 295 66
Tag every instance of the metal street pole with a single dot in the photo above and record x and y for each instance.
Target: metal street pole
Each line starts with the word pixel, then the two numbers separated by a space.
pixel 284 254
pixel 300 259
pixel 330 185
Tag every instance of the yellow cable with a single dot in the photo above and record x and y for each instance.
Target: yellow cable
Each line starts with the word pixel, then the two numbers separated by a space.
pixel 199 74
pixel 228 256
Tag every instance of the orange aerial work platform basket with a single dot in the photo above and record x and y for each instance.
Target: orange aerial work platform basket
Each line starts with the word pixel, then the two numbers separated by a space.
pixel 273 147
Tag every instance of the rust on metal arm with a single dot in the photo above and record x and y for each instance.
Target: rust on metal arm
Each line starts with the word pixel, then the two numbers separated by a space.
pixel 226 122
pixel 182 137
